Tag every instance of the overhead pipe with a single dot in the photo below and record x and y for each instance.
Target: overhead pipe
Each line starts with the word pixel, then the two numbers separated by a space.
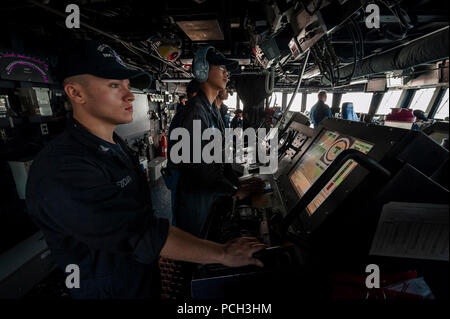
pixel 430 48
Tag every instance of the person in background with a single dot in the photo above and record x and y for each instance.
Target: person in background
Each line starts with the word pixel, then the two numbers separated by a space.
pixel 320 110
pixel 421 119
pixel 170 173
pixel 420 115
pixel 181 104
pixel 192 89
pixel 223 108
pixel 237 121
pixel 202 183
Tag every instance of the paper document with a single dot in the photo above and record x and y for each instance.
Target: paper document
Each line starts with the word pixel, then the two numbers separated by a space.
pixel 412 230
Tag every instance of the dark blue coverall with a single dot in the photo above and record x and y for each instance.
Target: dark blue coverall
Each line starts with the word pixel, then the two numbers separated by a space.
pixel 92 202
pixel 318 112
pixel 199 184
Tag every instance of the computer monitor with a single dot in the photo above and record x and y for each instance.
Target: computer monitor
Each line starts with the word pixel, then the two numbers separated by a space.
pixel 437 131
pixel 438 136
pixel 317 159
pixel 351 187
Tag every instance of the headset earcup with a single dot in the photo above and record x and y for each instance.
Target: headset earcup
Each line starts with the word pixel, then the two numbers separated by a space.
pixel 204 73
pixel 201 65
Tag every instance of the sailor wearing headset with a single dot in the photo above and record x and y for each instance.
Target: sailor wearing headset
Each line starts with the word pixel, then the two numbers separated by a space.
pixel 200 184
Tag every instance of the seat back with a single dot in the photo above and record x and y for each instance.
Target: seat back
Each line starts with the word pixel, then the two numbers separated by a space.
pixel 348 113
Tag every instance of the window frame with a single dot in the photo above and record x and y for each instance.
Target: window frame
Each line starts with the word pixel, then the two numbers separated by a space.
pixel 395 104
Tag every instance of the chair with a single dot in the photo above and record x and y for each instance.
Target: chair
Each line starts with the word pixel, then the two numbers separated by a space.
pixel 348 113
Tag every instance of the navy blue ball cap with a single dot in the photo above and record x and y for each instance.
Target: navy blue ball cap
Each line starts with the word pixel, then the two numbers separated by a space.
pixel 98 59
pixel 215 57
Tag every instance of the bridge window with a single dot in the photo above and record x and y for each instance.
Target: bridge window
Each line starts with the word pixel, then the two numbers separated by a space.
pixel 442 111
pixel 297 104
pixel 232 101
pixel 422 99
pixel 277 99
pixel 361 101
pixel 390 100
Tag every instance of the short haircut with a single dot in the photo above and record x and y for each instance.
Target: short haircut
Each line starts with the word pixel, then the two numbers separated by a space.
pixel 79 79
pixel 239 111
pixel 322 94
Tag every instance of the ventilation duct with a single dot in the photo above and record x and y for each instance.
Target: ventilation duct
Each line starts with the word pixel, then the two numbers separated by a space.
pixel 428 49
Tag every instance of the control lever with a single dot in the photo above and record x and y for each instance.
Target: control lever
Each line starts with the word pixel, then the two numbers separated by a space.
pixel 364 160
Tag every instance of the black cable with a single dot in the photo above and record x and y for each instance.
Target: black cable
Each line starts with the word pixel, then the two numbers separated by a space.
pixel 360 38
pixel 358 54
pixel 289 139
pixel 401 21
pixel 330 65
pixel 333 63
pixel 338 74
pixel 330 68
pixel 324 67
pixel 401 16
pixel 394 10
pixel 355 53
pixel 320 64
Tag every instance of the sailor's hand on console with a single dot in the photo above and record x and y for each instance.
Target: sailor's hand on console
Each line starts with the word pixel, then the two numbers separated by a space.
pixel 239 252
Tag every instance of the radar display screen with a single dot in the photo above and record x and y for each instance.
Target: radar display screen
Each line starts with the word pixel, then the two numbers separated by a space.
pixel 317 159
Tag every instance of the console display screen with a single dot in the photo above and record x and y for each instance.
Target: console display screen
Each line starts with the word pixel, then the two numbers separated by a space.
pixel 317 159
